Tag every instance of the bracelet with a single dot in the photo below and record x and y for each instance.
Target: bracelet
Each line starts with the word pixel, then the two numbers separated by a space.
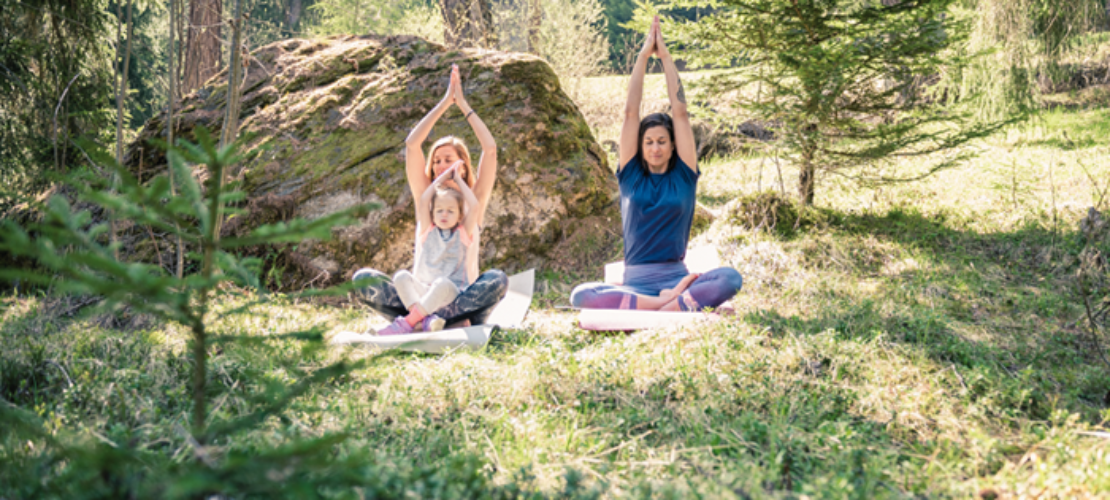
pixel 467 117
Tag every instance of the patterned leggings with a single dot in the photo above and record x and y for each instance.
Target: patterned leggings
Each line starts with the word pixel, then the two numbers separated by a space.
pixel 709 290
pixel 474 303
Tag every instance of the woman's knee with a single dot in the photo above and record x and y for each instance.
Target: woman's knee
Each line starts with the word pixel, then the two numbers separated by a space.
pixel 586 295
pixel 498 277
pixel 494 283
pixel 373 281
pixel 716 286
pixel 732 279
pixel 367 272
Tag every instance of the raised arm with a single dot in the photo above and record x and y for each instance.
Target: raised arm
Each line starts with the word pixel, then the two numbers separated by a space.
pixel 486 174
pixel 685 145
pixel 424 202
pixel 471 221
pixel 414 143
pixel 630 129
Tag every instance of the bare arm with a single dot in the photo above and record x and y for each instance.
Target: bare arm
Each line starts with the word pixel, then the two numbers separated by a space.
pixel 424 202
pixel 424 208
pixel 470 222
pixel 486 175
pixel 685 145
pixel 630 128
pixel 414 152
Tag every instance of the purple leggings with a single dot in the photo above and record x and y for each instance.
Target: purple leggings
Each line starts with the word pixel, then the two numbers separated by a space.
pixel 709 290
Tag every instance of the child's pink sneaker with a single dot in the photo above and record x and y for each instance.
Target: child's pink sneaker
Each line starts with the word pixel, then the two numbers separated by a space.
pixel 398 327
pixel 432 323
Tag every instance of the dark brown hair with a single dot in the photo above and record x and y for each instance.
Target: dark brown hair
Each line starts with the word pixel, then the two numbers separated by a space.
pixel 651 121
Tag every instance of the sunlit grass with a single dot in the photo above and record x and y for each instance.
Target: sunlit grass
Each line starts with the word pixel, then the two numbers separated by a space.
pixel 915 340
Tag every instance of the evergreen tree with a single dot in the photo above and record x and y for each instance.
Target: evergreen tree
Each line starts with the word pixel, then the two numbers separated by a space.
pixel 1024 41
pixel 842 80
pixel 55 84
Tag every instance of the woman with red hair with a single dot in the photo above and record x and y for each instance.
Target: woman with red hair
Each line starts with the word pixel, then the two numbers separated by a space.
pixel 474 302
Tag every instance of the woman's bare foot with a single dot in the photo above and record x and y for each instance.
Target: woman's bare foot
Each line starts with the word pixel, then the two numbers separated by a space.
pixel 458 324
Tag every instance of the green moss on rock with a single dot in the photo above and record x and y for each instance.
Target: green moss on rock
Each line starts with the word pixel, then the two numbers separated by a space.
pixel 329 119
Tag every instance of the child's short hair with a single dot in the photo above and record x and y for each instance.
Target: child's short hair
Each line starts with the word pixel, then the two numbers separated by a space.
pixel 450 193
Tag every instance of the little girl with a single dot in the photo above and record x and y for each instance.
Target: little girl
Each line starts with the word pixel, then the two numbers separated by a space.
pixel 446 224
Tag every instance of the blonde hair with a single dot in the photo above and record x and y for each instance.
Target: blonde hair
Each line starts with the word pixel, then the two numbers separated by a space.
pixel 460 149
pixel 450 193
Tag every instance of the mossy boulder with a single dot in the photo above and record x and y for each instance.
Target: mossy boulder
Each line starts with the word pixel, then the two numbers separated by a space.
pixel 326 122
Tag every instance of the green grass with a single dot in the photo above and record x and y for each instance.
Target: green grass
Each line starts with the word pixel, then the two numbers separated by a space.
pixel 911 341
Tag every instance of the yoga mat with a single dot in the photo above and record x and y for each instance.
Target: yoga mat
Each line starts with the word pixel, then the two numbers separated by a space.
pixel 509 313
pixel 698 260
pixel 623 320
pixel 470 338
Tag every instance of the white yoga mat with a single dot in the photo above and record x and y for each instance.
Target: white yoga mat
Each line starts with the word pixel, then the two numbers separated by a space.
pixel 510 312
pixel 470 338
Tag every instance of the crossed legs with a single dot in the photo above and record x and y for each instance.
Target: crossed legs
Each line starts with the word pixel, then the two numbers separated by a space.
pixel 707 290
pixel 474 303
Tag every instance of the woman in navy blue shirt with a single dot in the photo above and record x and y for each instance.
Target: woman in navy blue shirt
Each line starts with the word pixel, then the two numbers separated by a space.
pixel 658 178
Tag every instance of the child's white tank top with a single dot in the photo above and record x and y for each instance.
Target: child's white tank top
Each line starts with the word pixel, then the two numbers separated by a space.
pixel 442 254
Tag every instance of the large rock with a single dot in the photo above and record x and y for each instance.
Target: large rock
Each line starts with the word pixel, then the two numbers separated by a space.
pixel 328 119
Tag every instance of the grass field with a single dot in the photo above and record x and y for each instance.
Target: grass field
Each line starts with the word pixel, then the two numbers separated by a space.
pixel 917 340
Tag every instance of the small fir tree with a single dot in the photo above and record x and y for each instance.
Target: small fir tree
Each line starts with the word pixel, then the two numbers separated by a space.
pixel 842 81
pixel 73 255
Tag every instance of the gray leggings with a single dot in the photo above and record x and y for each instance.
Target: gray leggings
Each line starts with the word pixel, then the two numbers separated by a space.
pixel 474 302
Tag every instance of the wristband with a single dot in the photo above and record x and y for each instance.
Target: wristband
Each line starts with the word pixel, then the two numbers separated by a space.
pixel 467 117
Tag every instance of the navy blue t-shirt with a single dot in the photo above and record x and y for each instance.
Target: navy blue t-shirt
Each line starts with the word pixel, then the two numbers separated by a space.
pixel 657 211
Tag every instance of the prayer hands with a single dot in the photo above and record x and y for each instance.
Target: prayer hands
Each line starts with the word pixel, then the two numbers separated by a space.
pixel 454 88
pixel 449 97
pixel 660 46
pixel 454 169
pixel 457 88
pixel 653 41
pixel 451 173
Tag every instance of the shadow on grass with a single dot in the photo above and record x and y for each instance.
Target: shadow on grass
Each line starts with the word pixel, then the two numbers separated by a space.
pixel 1015 286
pixel 1033 248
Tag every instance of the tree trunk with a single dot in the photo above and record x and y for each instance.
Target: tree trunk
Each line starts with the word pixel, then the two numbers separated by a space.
pixel 171 99
pixel 122 68
pixel 807 179
pixel 293 10
pixel 202 59
pixel 179 27
pixel 535 19
pixel 231 109
pixel 468 23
